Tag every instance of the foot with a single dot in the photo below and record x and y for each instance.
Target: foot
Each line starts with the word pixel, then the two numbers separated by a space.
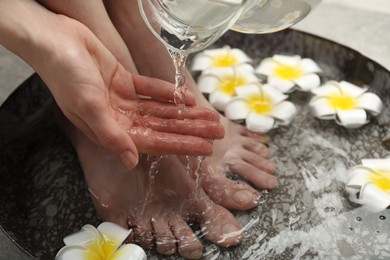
pixel 240 152
pixel 157 210
pixel 239 158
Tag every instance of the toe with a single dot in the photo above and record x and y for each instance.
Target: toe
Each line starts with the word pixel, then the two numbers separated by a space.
pixel 258 161
pixel 263 138
pixel 256 147
pixel 257 177
pixel 164 239
pixel 143 234
pixel 220 226
pixel 229 193
pixel 189 245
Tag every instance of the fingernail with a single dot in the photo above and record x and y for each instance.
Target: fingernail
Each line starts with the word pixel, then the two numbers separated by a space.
pixel 243 196
pixel 129 159
pixel 229 228
pixel 196 254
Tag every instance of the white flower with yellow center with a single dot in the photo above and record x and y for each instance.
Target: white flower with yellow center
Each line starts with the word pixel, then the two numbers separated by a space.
pixel 369 184
pixel 289 72
pixel 220 57
pixel 220 83
pixel 103 243
pixel 261 106
pixel 345 102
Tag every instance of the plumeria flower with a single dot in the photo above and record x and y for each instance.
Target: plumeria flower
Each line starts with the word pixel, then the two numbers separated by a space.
pixel 261 106
pixel 289 72
pixel 220 83
pixel 105 242
pixel 220 57
pixel 345 102
pixel 369 184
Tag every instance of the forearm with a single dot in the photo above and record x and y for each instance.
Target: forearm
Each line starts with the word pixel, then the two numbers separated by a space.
pixel 92 14
pixel 149 54
pixel 21 26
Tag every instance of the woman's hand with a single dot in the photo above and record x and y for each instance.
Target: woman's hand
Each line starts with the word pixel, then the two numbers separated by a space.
pixel 103 99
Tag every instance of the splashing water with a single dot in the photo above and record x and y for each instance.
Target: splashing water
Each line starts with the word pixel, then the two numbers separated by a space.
pixel 154 166
pixel 179 60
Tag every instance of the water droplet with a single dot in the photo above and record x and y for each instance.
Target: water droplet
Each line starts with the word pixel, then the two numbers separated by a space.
pixel 226 255
pixel 329 209
pixel 260 199
pixel 293 216
pixel 381 217
pixel 246 234
pixel 214 248
pixel 358 219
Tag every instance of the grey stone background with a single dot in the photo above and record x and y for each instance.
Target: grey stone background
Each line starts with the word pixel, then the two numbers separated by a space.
pixel 360 24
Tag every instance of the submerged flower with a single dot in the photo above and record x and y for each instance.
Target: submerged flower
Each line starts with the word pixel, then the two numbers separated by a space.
pixel 346 103
pixel 262 106
pixel 221 57
pixel 369 184
pixel 220 83
pixel 289 72
pixel 105 242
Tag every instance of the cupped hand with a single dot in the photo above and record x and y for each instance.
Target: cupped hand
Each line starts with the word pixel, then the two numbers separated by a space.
pixel 125 113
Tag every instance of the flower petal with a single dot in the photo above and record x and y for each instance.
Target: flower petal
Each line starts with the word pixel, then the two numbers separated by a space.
pixel 273 94
pixel 266 67
pixel 259 123
pixel 283 85
pixel 321 108
pixel 371 102
pixel 284 112
pixel 129 252
pixel 248 89
pixel 76 252
pixel 351 89
pixel 114 232
pixel 352 118
pixel 219 100
pixel 287 60
pixel 204 60
pixel 327 89
pixel 309 66
pixel 201 62
pixel 308 82
pixel 374 199
pixel 382 165
pixel 237 109
pixel 86 235
pixel 208 83
pixel 359 176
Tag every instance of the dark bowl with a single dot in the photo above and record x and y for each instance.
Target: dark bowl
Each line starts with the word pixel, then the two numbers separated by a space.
pixel 44 196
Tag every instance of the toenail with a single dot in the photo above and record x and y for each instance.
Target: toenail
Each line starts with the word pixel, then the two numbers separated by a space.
pixel 243 196
pixel 229 228
pixel 272 181
pixel 196 254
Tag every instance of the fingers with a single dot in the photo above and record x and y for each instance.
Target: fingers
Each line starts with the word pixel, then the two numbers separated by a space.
pixel 152 142
pixel 111 136
pixel 157 88
pixel 200 128
pixel 166 110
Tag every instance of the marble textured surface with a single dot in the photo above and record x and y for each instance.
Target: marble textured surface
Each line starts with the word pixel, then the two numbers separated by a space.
pixel 357 25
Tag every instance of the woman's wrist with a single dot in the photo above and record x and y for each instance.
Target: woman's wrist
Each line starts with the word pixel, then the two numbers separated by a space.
pixel 23 29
